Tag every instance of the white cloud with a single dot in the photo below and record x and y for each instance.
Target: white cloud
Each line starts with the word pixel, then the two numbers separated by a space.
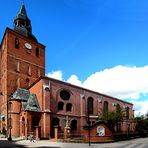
pixel 55 74
pixel 140 107
pixel 74 80
pixel 120 81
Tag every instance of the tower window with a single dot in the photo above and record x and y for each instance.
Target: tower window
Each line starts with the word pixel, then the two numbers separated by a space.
pixel 39 73
pixel 18 83
pixel 16 43
pixel 37 52
pixel 29 70
pixel 18 66
pixel 10 106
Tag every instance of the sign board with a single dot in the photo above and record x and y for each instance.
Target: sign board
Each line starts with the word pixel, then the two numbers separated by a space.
pixel 100 131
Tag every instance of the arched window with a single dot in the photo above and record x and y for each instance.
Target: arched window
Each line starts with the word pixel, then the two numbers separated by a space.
pixel 127 112
pixel 10 106
pixel 118 108
pixel 90 105
pixel 74 125
pixel 105 108
pixel 16 43
pixel 37 52
pixel 69 107
pixel 60 106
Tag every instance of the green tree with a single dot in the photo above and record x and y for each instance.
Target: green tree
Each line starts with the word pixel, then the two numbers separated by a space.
pixel 142 124
pixel 113 118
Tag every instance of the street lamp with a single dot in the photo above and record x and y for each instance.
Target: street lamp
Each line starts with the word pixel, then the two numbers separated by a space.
pixel 10 121
pixel 88 112
pixel 128 126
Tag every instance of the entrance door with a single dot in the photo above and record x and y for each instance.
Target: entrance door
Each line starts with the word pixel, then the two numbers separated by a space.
pixel 55 122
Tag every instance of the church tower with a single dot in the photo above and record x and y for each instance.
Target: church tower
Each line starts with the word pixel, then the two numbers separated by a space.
pixel 22 60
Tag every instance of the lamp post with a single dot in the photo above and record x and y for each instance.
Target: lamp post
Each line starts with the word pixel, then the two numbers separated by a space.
pixel 88 111
pixel 89 129
pixel 9 121
pixel 128 126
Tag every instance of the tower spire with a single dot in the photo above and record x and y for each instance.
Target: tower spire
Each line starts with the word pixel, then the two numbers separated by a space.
pixel 22 23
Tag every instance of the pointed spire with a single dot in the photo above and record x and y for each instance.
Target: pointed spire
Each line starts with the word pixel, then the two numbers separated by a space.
pixel 23 10
pixel 22 23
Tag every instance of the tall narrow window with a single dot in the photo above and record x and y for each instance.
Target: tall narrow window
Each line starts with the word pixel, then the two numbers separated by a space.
pixel 39 72
pixel 68 107
pixel 18 66
pixel 127 112
pixel 105 108
pixel 18 82
pixel 90 105
pixel 29 70
pixel 10 106
pixel 118 109
pixel 37 52
pixel 74 125
pixel 60 106
pixel 16 43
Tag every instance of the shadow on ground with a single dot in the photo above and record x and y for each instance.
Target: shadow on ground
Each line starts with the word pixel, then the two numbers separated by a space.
pixel 10 144
pixel 13 144
pixel 47 147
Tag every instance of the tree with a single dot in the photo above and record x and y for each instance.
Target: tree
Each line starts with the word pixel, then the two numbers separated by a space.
pixel 142 124
pixel 113 118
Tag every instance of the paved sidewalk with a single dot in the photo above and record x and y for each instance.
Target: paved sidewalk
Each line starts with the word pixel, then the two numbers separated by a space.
pixel 60 144
pixel 135 143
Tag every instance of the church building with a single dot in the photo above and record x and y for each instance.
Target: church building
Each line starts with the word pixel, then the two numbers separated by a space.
pixel 33 102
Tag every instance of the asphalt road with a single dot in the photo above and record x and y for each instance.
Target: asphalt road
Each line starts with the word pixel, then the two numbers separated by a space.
pixel 135 143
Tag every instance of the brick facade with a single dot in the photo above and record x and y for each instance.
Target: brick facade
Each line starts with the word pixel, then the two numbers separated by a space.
pixel 22 61
pixel 20 66
pixel 48 93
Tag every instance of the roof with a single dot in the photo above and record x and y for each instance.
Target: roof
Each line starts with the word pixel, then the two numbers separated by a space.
pixel 22 13
pixel 82 88
pixel 22 24
pixel 8 29
pixel 29 101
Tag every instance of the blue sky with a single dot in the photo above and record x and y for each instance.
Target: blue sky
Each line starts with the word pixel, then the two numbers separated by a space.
pixel 98 44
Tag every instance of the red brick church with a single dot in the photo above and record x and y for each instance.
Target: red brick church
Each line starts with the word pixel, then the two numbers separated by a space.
pixel 32 102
